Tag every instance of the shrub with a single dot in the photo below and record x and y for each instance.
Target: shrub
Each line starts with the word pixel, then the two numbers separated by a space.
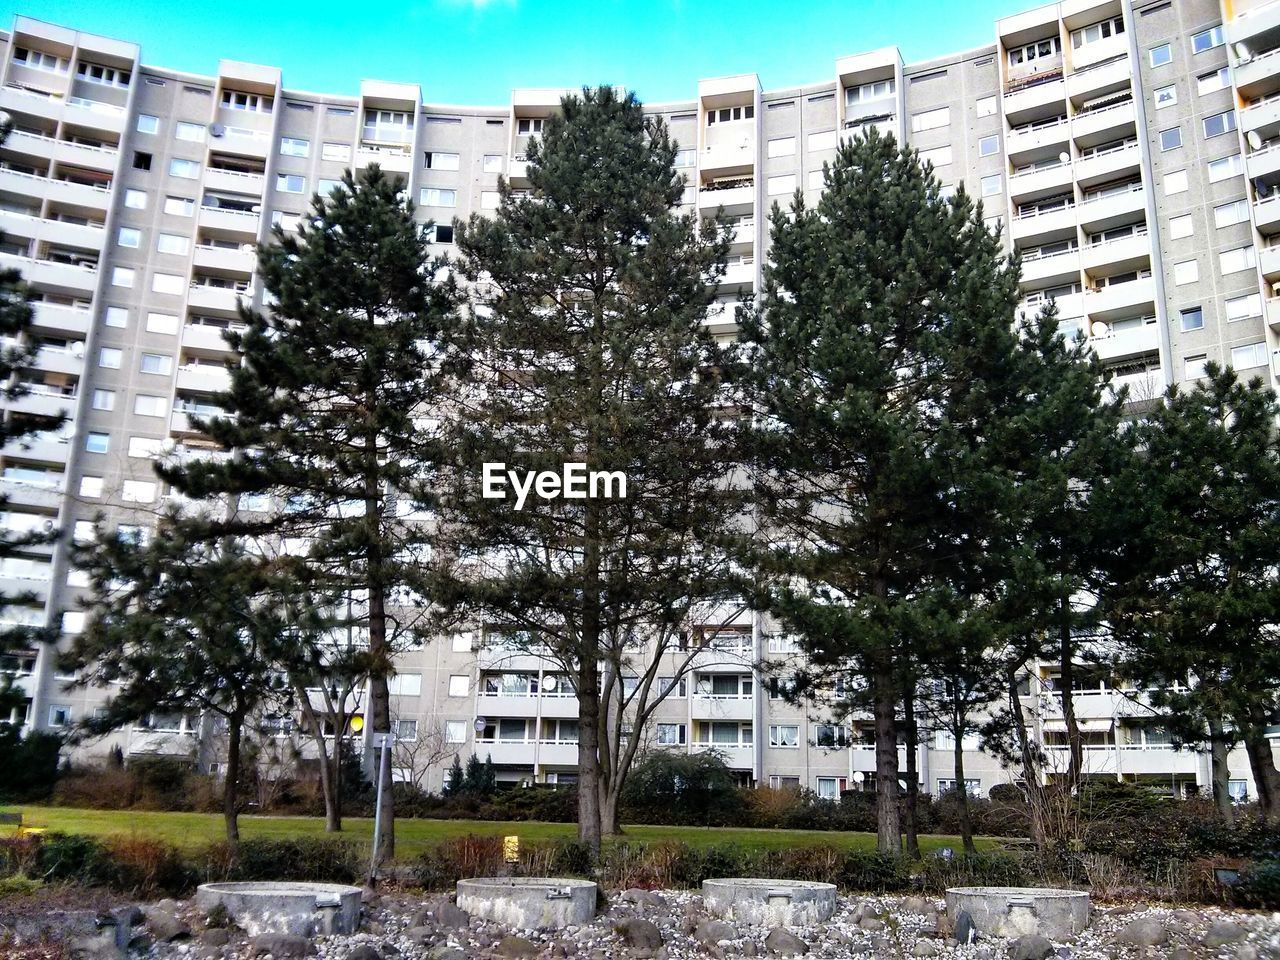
pixel 18 886
pixel 147 868
pixel 458 859
pixel 682 788
pixel 315 859
pixel 873 871
pixel 72 858
pixel 30 764
pixel 1259 886
pixel 995 869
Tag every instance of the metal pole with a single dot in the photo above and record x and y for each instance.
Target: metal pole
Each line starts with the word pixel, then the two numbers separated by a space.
pixel 377 809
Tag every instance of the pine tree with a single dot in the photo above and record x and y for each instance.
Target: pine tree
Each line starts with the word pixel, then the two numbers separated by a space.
pixel 592 348
pixel 331 414
pixel 178 622
pixel 885 354
pixel 1197 601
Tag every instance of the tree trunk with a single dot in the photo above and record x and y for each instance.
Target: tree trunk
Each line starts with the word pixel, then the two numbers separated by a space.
pixel 609 812
pixel 884 691
pixel 1075 739
pixel 588 755
pixel 1220 771
pixel 231 782
pixel 911 729
pixel 328 788
pixel 380 716
pixel 1033 784
pixel 1266 777
pixel 966 820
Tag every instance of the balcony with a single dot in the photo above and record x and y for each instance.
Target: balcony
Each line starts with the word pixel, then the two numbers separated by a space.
pixel 1112 208
pixel 1069 306
pixel 708 707
pixel 223 300
pixel 19 100
pixel 234 181
pixel 1120 299
pixel 1109 164
pixel 243 142
pixel 78 278
pixel 1103 124
pixel 1272 310
pixel 102 159
pixel 1263 116
pixel 61 361
pixel 1119 254
pixel 508 705
pixel 719 159
pixel 1269 262
pixel 518 170
pixel 1042 223
pixel 1266 215
pixel 723 659
pixel 864 757
pixel 156 743
pixel 1044 139
pixel 738 197
pixel 512 658
pixel 1259 76
pixel 1035 101
pixel 42 495
pixel 1100 51
pixel 42 448
pixel 553 753
pixel 203 377
pixel 739 275
pixel 1128 343
pixel 95 115
pixel 61 318
pixel 43 403
pixel 92 196
pixel 204 337
pixel 86 236
pixel 243 222
pixel 1099 78
pixel 240 259
pixel 1143 385
pixel 509 753
pixel 1046 181
pixel 1248 24
pixel 1051 270
pixel 393 158
pixel 737 756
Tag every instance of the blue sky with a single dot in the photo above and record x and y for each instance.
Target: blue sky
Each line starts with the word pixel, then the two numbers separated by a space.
pixel 475 51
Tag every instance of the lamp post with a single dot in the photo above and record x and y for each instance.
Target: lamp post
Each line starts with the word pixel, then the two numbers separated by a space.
pixel 381 741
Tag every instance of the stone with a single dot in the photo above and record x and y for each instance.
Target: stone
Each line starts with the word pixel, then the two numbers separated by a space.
pixel 1143 932
pixel 363 951
pixel 965 931
pixel 916 905
pixel 447 953
pixel 639 933
pixel 1182 953
pixel 164 925
pixel 872 924
pixel 1030 946
pixel 101 946
pixel 925 948
pixel 420 935
pixel 643 898
pixel 515 947
pixel 451 916
pixel 711 932
pixel 1222 932
pixel 215 937
pixel 785 943
pixel 1186 917
pixel 1247 952
pixel 281 946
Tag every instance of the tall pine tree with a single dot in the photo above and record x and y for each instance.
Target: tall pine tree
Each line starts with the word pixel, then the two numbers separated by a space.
pixel 591 347
pixel 331 414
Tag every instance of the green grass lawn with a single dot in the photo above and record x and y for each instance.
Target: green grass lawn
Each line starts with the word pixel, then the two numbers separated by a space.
pixel 193 830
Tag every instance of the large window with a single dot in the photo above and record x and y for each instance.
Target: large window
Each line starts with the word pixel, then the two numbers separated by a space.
pixel 784 735
pixel 1249 355
pixel 1206 39
pixel 1219 123
pixel 930 119
pixel 1101 30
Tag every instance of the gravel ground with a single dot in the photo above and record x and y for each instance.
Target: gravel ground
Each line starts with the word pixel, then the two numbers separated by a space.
pixel 673 925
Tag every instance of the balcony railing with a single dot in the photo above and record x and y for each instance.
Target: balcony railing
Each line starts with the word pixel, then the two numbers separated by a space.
pixel 97 106
pixel 1141 232
pixel 1135 187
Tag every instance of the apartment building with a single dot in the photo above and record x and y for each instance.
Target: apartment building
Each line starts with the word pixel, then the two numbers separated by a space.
pixel 1128 148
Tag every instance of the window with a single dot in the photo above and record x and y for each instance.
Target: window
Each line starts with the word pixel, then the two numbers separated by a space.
pixel 673 688
pixel 442 161
pixel 1227 214
pixel 145 405
pixel 436 197
pixel 816 180
pixel 90 487
pixel 1249 355
pixel 971 787
pixel 104 400
pixel 867 92
pixel 784 735
pixel 831 736
pixel 337 152
pixel 145 448
pixel 156 363
pixel 986 107
pixel 440 233
pixel 293 147
pixel 1238 790
pixel 185 169
pixel 1041 49
pixel 138 491
pixel 1224 167
pixel 459 684
pixel 1192 319
pixel 930 119
pixel 121 277
pixel 194 132
pixel 1188 271
pixel 135 199
pixel 730 114
pixel 1193 367
pixel 148 123
pixel 129 237
pixel 110 357
pixel 172 243
pixel 823 140
pixel 828 788
pixel 455 731
pixel 117 317
pixel 786 183
pixel 1181 227
pixel 526 126
pixel 938 156
pixel 492 162
pixel 1161 55
pixel 179 206
pixel 1101 30
pixel 59 715
pixel 141 160
pixel 250 102
pixel 1211 82
pixel 1233 261
pixel 169 283
pixel 1206 39
pixel 104 76
pixel 73 622
pixel 97 442
pixel 489 199
pixel 1171 138
pixel 290 183
pixel 1166 96
pixel 988 146
pixel 671 734
pixel 326 187
pixel 1175 182
pixel 1219 124
pixel 405 685
pixel 781 147
pixel 992 185
pixel 406 729
pixel 1244 308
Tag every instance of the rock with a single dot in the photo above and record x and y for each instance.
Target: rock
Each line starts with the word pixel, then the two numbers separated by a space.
pixel 640 933
pixel 101 946
pixel 916 905
pixel 1186 917
pixel 451 916
pixel 363 951
pixel 420 935
pixel 1247 952
pixel 215 937
pixel 447 953
pixel 164 924
pixel 1182 953
pixel 871 923
pixel 514 947
pixel 965 931
pixel 1222 932
pixel 643 898
pixel 1143 932
pixel 1030 946
pixel 281 946
pixel 925 948
pixel 711 932
pixel 784 943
